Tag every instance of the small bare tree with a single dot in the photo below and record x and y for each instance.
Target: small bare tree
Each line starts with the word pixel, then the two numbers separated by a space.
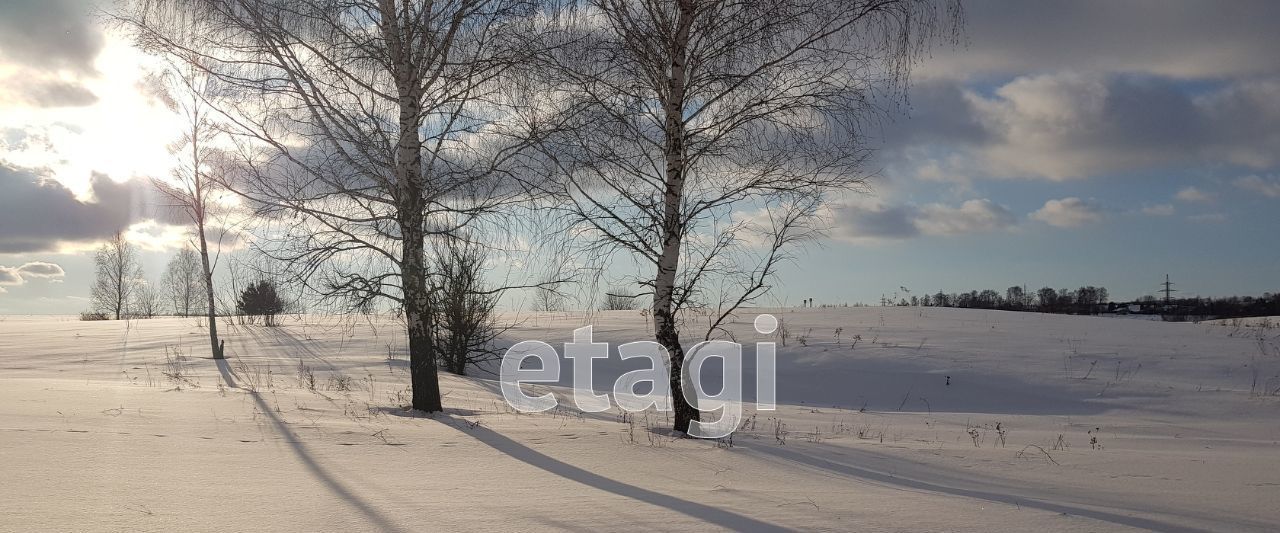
pixel 617 299
pixel 183 282
pixel 465 309
pixel 711 134
pixel 116 277
pixel 147 302
pixel 186 90
pixel 548 298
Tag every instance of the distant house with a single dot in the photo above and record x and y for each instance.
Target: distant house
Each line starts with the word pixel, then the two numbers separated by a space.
pixel 1125 309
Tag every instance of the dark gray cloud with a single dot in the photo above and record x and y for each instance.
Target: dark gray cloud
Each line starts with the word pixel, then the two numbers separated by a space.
pixel 50 34
pixel 1070 125
pixel 1185 39
pixel 50 45
pixel 880 221
pixel 1063 90
pixel 874 222
pixel 46 92
pixel 938 110
pixel 37 213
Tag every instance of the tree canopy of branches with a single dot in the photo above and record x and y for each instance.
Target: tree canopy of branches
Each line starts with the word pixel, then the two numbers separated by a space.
pixel 709 135
pixel 260 299
pixel 184 283
pixel 464 308
pixel 187 91
pixel 548 298
pixel 364 127
pixel 146 303
pixel 617 299
pixel 117 277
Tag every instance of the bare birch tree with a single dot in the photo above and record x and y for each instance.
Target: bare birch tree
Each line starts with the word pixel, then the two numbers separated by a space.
pixel 618 299
pixel 183 282
pixel 186 90
pixel 711 134
pixel 146 303
pixel 116 277
pixel 365 126
pixel 549 298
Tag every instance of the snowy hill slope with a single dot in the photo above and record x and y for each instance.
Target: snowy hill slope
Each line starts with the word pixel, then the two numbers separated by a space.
pixel 1048 422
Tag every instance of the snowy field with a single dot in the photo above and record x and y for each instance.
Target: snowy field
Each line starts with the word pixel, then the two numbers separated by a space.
pixel 1048 423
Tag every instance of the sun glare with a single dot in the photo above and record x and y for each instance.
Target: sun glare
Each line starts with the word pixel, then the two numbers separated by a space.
pixel 123 135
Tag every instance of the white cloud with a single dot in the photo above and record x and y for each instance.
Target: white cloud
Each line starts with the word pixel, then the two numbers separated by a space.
pixel 973 216
pixel 10 276
pixel 1160 210
pixel 1269 187
pixel 28 271
pixel 155 236
pixel 41 269
pixel 1068 213
pixel 1193 195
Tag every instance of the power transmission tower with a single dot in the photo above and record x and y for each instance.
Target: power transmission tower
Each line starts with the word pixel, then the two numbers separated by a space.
pixel 1168 289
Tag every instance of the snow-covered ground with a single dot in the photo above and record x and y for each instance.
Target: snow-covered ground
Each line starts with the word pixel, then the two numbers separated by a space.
pixel 1049 423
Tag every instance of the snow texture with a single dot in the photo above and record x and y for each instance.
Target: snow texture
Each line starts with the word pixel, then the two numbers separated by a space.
pixel 912 419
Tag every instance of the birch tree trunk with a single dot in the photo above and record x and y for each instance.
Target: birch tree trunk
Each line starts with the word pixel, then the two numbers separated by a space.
pixel 672 224
pixel 214 346
pixel 411 207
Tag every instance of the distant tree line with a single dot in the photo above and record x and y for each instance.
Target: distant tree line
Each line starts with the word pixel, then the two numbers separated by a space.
pixel 1090 300
pixel 1084 300
pixel 1197 308
pixel 121 289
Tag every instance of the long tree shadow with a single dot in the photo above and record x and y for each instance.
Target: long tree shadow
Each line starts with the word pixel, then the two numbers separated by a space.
pixel 719 517
pixel 563 405
pixel 381 523
pixel 287 340
pixel 228 377
pixel 891 480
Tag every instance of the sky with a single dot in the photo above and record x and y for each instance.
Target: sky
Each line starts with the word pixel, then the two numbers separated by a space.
pixel 1061 144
